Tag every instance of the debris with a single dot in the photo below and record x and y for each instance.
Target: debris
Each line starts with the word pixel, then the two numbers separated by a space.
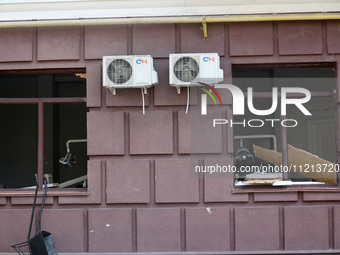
pixel 302 162
pixel 261 178
pixel 81 75
pixel 262 181
pixel 263 175
pixel 290 183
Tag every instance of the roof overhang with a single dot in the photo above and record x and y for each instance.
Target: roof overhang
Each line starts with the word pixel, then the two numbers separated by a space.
pixel 86 12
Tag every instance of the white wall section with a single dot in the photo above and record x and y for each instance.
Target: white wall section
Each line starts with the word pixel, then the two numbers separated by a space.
pixel 24 10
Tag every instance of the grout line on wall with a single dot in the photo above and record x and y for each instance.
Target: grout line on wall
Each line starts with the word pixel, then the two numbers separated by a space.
pixel 331 227
pixel 183 229
pixel 226 42
pixel 324 44
pixel 201 182
pixel 134 229
pixel 224 113
pixel 86 244
pixel 275 39
pixel 82 44
pixel 129 40
pixel 103 181
pixel 232 229
pixel 175 133
pixel 35 45
pixel 152 182
pixel 178 38
pixel 300 197
pixel 281 228
pixel 127 133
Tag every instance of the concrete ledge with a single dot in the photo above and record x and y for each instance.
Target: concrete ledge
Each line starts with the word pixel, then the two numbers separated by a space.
pixel 306 252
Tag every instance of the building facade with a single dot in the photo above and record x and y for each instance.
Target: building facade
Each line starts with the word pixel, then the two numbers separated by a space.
pixel 140 195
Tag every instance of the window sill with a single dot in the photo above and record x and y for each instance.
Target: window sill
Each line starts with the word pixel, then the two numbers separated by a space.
pixel 51 192
pixel 271 189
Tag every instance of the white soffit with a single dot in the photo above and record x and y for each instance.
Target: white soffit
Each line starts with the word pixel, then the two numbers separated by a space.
pixel 84 9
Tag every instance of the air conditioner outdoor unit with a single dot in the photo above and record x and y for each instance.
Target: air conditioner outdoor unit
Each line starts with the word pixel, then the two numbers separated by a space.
pixel 128 71
pixel 189 69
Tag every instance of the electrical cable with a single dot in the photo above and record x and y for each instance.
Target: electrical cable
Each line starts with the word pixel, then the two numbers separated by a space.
pixel 143 100
pixel 188 99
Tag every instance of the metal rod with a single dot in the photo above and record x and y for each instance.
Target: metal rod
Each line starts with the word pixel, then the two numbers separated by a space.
pixel 73 181
pixel 284 149
pixel 74 141
pixel 55 100
pixel 173 19
pixel 40 141
pixel 258 137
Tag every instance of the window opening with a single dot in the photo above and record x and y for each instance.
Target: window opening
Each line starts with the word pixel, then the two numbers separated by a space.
pixel 291 149
pixel 40 113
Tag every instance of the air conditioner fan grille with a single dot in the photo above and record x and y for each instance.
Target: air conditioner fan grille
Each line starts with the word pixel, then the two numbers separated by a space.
pixel 119 71
pixel 186 69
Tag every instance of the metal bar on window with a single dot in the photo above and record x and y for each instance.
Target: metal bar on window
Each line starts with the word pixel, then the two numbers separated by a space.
pixel 336 122
pixel 40 148
pixel 284 149
pixel 55 100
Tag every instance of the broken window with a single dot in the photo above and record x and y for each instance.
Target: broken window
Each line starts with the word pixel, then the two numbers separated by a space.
pixel 293 143
pixel 39 115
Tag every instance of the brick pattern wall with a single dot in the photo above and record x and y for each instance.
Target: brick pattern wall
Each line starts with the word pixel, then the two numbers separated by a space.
pixel 141 195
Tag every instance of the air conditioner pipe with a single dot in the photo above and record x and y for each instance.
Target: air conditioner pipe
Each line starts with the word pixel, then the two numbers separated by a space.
pixel 168 20
pixel 65 161
pixel 74 141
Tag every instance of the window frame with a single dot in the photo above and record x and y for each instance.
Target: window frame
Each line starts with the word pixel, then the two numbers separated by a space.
pixel 284 133
pixel 40 102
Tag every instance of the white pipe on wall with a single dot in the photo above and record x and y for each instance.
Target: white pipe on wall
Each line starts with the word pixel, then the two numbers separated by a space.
pixel 167 20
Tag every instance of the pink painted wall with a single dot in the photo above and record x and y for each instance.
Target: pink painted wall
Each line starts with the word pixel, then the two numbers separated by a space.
pixel 128 150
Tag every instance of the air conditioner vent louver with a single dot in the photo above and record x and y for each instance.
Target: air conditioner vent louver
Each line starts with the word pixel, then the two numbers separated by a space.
pixel 119 71
pixel 186 69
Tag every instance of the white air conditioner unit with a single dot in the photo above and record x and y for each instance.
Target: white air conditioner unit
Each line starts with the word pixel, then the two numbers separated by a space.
pixel 128 71
pixel 188 69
